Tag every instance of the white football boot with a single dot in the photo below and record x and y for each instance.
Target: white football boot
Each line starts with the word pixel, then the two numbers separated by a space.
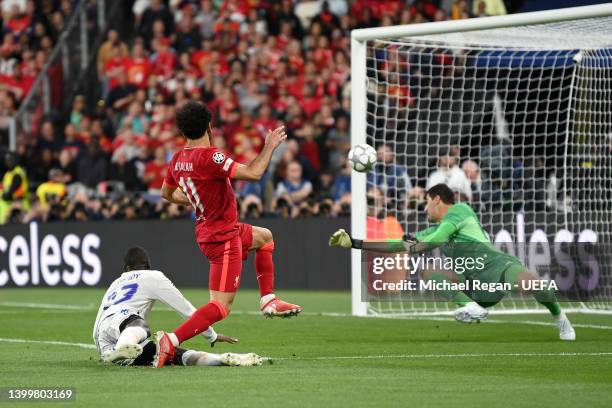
pixel 472 312
pixel 243 360
pixel 123 352
pixel 566 331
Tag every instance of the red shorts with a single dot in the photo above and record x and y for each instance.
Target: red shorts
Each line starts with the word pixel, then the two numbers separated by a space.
pixel 226 259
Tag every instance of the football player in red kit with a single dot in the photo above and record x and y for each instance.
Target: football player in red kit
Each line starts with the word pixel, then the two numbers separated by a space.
pixel 199 176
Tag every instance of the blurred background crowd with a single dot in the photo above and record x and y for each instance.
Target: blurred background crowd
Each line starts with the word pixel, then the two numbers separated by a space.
pixel 255 63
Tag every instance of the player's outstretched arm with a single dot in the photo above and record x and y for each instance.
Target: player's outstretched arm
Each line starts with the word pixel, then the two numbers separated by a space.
pixel 256 169
pixel 434 237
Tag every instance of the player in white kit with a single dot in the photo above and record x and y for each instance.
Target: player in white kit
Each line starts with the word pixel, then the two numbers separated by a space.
pixel 121 332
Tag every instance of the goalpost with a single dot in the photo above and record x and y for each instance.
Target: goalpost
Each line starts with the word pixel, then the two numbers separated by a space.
pixel 526 99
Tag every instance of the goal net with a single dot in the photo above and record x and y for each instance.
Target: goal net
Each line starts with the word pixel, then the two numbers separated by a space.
pixel 517 120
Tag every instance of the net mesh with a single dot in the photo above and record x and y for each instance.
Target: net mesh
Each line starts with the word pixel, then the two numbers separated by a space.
pixel 517 121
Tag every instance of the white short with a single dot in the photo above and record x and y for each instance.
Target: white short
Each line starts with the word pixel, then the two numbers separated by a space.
pixel 108 331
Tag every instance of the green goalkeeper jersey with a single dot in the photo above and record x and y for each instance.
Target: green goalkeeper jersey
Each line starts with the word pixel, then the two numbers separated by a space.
pixel 460 235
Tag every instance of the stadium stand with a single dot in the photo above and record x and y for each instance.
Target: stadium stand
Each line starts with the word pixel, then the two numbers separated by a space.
pixel 255 63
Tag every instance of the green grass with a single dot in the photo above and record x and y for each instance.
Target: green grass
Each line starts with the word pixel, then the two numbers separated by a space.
pixel 299 377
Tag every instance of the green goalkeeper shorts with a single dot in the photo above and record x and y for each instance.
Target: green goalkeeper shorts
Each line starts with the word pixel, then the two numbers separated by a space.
pixel 506 274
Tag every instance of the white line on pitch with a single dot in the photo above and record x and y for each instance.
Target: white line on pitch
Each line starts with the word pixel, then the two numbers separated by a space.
pixel 48 306
pixel 537 323
pixel 52 342
pixel 496 321
pixel 417 356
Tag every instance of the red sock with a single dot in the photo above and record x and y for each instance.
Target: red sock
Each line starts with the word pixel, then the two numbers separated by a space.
pixel 264 266
pixel 201 320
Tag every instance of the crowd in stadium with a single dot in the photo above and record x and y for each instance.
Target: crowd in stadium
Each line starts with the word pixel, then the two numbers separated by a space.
pixel 30 30
pixel 256 64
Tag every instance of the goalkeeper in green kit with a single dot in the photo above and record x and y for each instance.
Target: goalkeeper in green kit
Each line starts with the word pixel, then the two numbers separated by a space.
pixel 460 235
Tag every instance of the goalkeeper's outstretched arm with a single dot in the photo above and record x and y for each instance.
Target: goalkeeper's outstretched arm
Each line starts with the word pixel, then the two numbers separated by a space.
pixel 342 239
pixel 424 241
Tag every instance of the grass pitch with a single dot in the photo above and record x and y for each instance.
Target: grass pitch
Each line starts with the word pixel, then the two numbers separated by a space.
pixel 318 359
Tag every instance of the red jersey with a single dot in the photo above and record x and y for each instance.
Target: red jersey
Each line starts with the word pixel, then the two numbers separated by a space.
pixel 138 71
pixel 203 174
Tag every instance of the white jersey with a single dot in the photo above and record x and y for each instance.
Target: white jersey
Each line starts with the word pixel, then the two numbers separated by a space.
pixel 134 293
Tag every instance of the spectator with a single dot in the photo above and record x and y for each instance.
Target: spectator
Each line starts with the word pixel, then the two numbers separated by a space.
pixel 459 9
pixel 39 169
pixel 13 6
pixel 76 116
pixel 136 119
pixel 472 172
pixel 250 98
pixel 71 143
pixel 342 182
pixel 58 24
pixel 449 173
pixel 294 188
pixel 128 145
pixel 388 175
pixel 124 171
pixel 93 166
pixel 339 143
pixel 310 102
pixel 482 8
pixel 188 37
pixel 156 11
pixel 8 108
pixel 122 94
pixel 309 149
pixel 327 19
pixel 16 19
pixel 164 60
pixel 155 171
pixel 138 67
pixel 67 164
pixel 282 207
pixel 251 207
pixel 206 18
pixel 47 138
pixel 113 47
pixel 52 190
pixel 14 187
pixel 289 153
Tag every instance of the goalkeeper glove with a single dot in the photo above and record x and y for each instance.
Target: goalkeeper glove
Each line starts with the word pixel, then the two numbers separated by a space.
pixel 341 239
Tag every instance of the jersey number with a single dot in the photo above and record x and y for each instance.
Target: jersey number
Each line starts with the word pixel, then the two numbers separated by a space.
pixel 190 191
pixel 127 292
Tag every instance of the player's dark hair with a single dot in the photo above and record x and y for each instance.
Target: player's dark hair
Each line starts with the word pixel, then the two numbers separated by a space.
pixel 136 258
pixel 193 119
pixel 444 192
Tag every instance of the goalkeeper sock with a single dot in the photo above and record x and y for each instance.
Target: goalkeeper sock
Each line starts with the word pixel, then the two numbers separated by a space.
pixel 264 266
pixel 460 298
pixel 548 299
pixel 131 335
pixel 200 320
pixel 455 296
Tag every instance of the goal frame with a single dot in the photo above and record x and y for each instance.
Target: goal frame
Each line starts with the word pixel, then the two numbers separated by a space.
pixel 359 37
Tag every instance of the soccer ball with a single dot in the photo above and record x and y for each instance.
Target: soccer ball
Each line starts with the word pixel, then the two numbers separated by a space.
pixel 362 157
